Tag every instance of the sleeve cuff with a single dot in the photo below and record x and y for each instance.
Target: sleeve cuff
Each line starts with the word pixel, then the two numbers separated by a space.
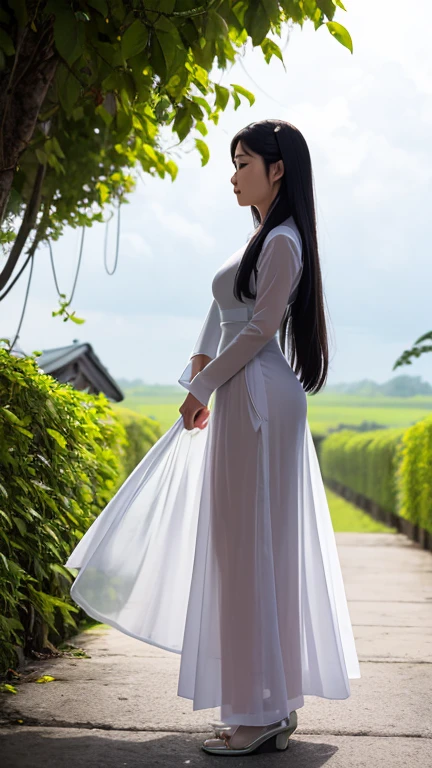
pixel 197 387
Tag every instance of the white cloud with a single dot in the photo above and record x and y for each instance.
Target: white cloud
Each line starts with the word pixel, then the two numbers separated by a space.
pixel 182 226
pixel 135 245
pixel 391 30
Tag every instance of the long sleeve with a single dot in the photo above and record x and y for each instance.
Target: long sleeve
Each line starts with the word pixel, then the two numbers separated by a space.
pixel 207 342
pixel 209 337
pixel 279 264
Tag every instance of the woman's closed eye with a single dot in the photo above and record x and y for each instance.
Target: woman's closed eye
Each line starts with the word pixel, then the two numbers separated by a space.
pixel 241 165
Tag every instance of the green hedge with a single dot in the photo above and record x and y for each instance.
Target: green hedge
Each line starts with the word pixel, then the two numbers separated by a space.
pixel 141 433
pixel 414 475
pixel 60 459
pixel 392 467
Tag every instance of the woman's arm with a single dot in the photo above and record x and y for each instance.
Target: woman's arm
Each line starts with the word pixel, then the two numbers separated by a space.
pixel 206 345
pixel 199 362
pixel 209 336
pixel 279 264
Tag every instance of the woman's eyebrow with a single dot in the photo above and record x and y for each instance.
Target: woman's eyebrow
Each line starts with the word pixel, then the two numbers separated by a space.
pixel 240 155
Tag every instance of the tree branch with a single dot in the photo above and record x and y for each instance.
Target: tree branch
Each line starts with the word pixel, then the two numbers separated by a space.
pixel 27 225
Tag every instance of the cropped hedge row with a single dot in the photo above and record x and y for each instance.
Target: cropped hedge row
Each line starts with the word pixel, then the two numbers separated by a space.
pixel 415 475
pixel 392 467
pixel 63 454
pixel 141 433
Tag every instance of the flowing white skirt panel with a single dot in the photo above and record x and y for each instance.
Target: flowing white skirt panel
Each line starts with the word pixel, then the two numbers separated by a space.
pixel 136 559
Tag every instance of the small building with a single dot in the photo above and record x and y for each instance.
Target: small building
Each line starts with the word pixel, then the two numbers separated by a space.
pixel 79 366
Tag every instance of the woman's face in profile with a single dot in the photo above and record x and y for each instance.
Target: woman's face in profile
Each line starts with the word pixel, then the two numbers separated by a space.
pixel 250 182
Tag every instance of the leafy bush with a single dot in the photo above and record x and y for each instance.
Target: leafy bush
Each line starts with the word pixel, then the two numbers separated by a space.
pixel 60 459
pixel 392 467
pixel 365 462
pixel 415 474
pixel 141 432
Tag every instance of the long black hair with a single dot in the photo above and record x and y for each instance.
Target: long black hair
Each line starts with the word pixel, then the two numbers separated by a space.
pixel 304 323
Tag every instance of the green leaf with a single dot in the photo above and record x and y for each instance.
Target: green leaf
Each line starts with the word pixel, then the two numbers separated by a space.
pixel 257 22
pixel 57 148
pixel 270 49
pixel 51 533
pixel 25 432
pixel 172 169
pixel 63 571
pixel 105 115
pixel 150 152
pixel 60 440
pixel 134 39
pixel 340 33
pixel 76 320
pixel 68 89
pixel 20 524
pixel 183 122
pixel 202 103
pixel 203 150
pixel 11 416
pixel 171 44
pixel 243 92
pixel 68 35
pixel 41 156
pixel 222 96
pixel 157 58
pixel 216 27
pixel 78 113
pixel 6 517
pixel 201 77
pixel 53 549
pixel 272 8
pixel 237 101
pixel 201 127
pixel 6 43
pixel 327 7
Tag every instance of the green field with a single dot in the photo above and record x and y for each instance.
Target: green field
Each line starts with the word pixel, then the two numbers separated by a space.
pixel 330 410
pixel 325 410
pixel 347 517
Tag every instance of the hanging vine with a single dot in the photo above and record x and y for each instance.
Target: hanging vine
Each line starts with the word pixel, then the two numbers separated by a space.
pixel 117 244
pixel 64 302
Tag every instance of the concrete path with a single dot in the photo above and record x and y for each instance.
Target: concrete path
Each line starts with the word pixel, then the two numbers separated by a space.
pixel 120 707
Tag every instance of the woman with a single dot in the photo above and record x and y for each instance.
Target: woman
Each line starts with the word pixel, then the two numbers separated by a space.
pixel 231 556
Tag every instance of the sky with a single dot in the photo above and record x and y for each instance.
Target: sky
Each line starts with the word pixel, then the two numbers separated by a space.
pixel 367 120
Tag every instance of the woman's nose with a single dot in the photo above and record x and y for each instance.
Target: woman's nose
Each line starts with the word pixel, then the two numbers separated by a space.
pixel 233 179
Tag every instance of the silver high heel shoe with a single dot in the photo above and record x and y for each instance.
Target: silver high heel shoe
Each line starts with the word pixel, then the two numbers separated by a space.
pixel 218 726
pixel 276 738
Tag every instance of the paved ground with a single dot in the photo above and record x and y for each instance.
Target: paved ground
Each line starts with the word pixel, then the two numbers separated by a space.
pixel 120 707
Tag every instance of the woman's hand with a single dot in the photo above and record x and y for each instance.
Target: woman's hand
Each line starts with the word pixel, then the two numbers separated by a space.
pixel 194 413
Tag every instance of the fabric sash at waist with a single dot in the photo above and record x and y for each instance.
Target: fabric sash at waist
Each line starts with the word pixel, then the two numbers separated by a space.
pixel 238 314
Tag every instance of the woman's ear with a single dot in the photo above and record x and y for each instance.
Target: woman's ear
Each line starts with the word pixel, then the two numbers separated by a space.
pixel 278 170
